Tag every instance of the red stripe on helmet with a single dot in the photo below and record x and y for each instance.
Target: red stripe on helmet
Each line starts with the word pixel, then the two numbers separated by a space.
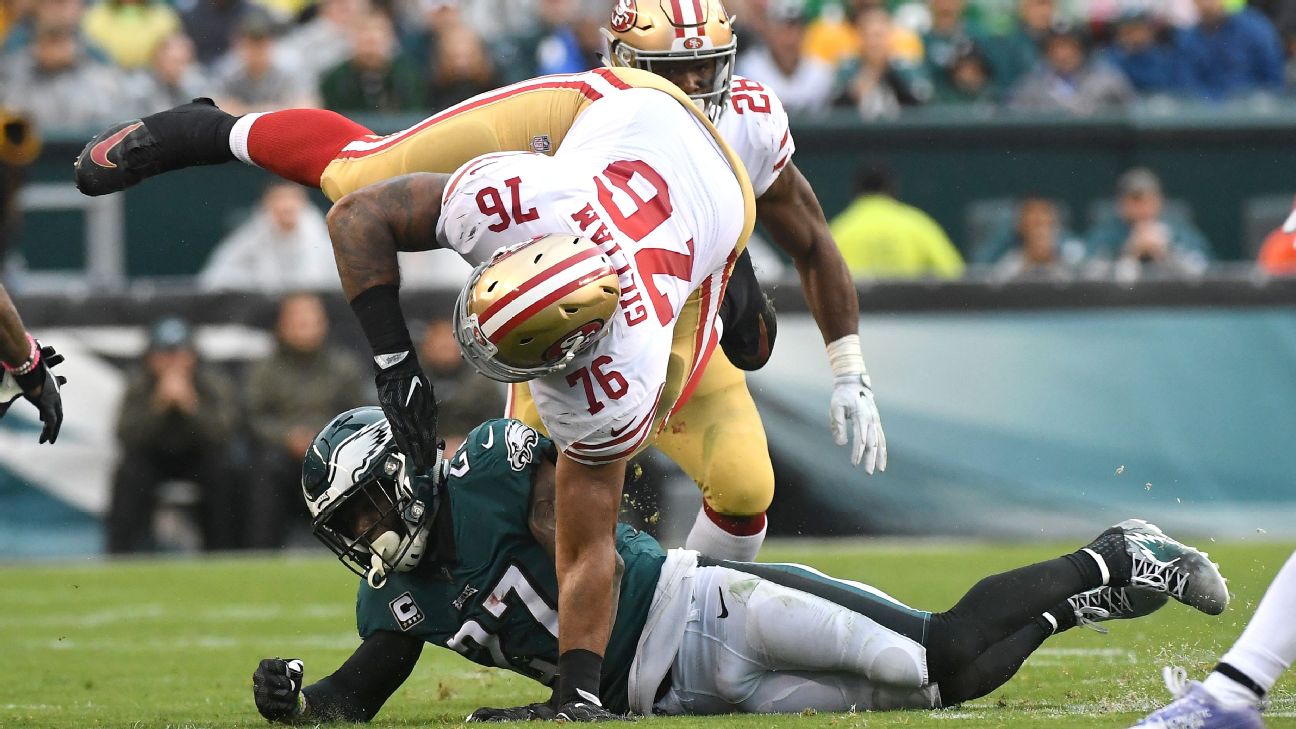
pixel 549 300
pixel 677 18
pixel 536 280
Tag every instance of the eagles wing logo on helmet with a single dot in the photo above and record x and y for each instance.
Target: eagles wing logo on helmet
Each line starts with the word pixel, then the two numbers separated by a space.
pixel 624 15
pixel 521 441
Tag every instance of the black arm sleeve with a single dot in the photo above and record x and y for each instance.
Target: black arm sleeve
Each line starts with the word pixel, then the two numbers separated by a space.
pixel 361 685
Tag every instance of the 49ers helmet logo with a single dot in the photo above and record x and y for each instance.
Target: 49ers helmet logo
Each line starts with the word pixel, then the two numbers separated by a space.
pixel 693 43
pixel 624 15
pixel 560 347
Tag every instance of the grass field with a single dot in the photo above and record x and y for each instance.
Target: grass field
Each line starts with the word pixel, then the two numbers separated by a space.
pixel 174 643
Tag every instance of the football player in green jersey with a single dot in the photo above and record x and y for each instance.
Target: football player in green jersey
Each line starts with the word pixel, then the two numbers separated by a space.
pixel 464 559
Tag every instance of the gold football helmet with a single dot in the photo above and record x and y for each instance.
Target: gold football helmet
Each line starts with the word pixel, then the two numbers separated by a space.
pixel 534 306
pixel 645 33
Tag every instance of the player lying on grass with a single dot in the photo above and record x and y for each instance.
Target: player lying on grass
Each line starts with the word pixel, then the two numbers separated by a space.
pixel 24 371
pixel 465 560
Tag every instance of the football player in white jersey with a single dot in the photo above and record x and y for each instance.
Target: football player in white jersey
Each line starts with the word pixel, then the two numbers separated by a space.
pixel 718 439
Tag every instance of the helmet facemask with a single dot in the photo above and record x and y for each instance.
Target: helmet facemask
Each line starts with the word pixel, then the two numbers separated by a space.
pixel 401 511
pixel 713 101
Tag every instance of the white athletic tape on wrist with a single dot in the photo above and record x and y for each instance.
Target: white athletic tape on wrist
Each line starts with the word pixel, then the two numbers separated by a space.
pixel 845 357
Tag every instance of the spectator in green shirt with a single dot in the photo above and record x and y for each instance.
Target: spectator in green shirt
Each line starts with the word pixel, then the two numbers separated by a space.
pixel 1142 235
pixel 881 237
pixel 377 78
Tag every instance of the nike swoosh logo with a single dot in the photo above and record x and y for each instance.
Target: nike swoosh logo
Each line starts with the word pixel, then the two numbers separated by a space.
pixel 490 439
pixel 99 154
pixel 589 697
pixel 414 384
pixel 617 433
pixel 724 609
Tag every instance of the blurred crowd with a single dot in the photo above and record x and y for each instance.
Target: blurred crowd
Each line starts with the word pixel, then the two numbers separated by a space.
pixel 79 63
pixel 1137 232
pixel 230 441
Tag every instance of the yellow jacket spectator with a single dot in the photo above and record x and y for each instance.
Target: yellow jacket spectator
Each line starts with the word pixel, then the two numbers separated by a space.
pixel 881 237
pixel 832 37
pixel 129 30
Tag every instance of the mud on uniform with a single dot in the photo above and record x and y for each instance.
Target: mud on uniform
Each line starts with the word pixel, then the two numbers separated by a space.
pixel 715 434
pixel 787 637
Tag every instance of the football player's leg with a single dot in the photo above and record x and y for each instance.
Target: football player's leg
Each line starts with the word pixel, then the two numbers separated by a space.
pixel 1266 649
pixel 296 144
pixel 751 622
pixel 718 439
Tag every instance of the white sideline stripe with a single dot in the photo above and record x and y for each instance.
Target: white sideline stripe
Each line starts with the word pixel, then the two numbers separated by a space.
pixel 1084 652
pixel 337 641
pixel 151 611
pixel 557 280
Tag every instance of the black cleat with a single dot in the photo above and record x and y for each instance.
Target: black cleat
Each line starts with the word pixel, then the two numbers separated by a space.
pixel 129 152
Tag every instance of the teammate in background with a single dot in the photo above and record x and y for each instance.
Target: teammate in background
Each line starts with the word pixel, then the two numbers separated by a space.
pixel 1233 695
pixel 26 371
pixel 691 44
pixel 693 635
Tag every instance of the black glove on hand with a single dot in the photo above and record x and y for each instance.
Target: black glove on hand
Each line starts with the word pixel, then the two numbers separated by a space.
pixel 405 395
pixel 581 710
pixel 41 388
pixel 530 712
pixel 276 688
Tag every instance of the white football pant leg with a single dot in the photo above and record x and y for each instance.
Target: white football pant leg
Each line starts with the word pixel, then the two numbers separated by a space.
pixel 753 645
pixel 1268 645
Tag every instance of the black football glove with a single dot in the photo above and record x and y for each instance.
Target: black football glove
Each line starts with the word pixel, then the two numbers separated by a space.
pixel 49 402
pixel 405 395
pixel 530 712
pixel 276 688
pixel 580 710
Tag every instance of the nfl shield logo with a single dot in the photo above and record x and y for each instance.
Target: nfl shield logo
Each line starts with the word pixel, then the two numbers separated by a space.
pixel 541 144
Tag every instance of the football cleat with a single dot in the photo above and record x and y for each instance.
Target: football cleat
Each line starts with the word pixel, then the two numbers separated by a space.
pixel 1113 603
pixel 1161 564
pixel 1195 708
pixel 129 152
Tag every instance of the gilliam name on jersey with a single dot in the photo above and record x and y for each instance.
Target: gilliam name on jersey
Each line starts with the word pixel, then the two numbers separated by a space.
pixel 632 305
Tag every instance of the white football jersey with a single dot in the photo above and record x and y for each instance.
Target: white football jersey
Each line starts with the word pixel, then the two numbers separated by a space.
pixel 756 128
pixel 642 177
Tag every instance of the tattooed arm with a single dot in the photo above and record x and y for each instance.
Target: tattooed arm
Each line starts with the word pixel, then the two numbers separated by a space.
pixel 370 225
pixel 13 337
pixel 368 228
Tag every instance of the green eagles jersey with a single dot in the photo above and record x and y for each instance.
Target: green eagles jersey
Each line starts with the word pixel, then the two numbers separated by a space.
pixel 496 603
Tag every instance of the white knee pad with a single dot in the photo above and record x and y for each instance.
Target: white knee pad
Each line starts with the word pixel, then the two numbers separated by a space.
pixel 793 630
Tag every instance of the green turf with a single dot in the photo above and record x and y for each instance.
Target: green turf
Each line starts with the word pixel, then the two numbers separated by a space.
pixel 174 643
